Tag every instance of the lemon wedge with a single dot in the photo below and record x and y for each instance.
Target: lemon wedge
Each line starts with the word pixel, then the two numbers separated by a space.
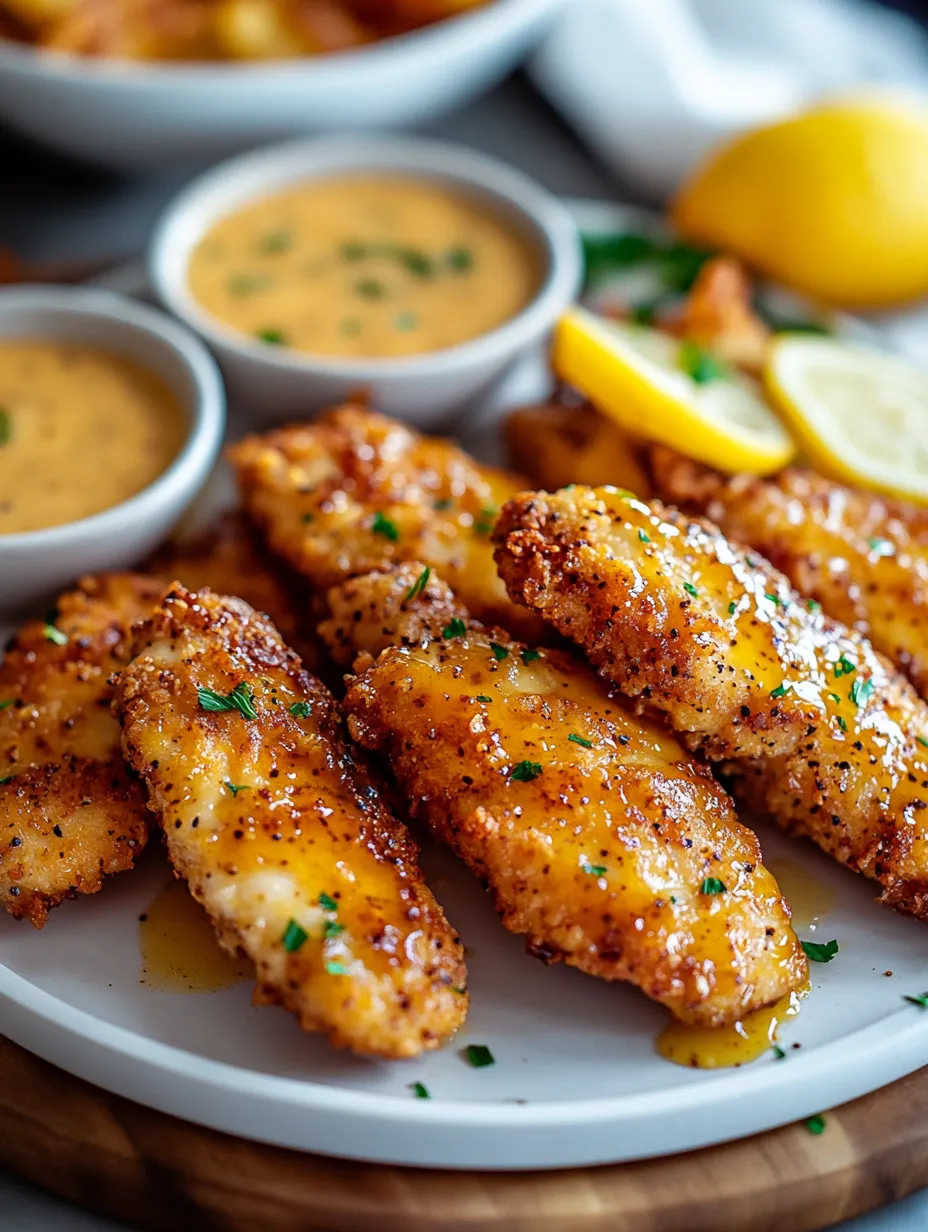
pixel 648 382
pixel 859 415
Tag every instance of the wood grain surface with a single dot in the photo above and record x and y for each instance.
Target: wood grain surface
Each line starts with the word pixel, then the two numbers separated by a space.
pixel 153 1171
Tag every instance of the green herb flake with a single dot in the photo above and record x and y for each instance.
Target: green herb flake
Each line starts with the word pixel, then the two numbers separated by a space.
pixel 644 537
pixel 499 652
pixel 479 1056
pixel 382 525
pixel 419 1090
pixel 353 251
pixel 587 744
pixel 593 870
pixel 294 936
pixel 234 789
pixel 301 710
pixel 525 771
pixel 813 605
pixel 844 667
pixel 6 426
pixel 273 337
pixel 276 241
pixel 732 608
pixel 247 284
pixel 781 690
pixel 307 518
pixel 9 779
pixel 835 698
pixel 486 520
pixel 482 697
pixel 442 504
pixel 860 691
pixel 842 722
pixel 679 265
pixel 336 968
pixel 606 253
pixel 241 699
pixel 351 327
pixel 406 321
pixel 418 585
pixel 712 885
pixel 370 288
pixel 820 952
pixel 327 903
pixel 690 589
pixel 332 929
pixel 921 1000
pixel 699 364
pixel 776 600
pixel 460 260
pixel 529 656
pixel 455 628
pixel 645 313
pixel 416 261
pixel 778 1052
pixel 9 702
pixel 51 634
pixel 815 1125
pixel 882 547
pixel 922 741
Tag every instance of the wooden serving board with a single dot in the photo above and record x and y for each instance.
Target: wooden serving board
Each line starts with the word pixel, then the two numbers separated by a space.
pixel 154 1171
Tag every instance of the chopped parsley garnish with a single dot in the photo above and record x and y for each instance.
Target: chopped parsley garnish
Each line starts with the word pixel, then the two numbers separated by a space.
pixel 51 634
pixel 6 426
pixel 645 538
pixel 529 656
pixel 606 253
pixel 781 690
pixel 460 260
pixel 9 702
pixel 775 600
pixel 353 251
pixel 835 698
pixel 479 1055
pixel 455 628
pixel 732 608
pixel 499 652
pixel 593 870
pixel 922 741
pixel 418 585
pixel 383 526
pixel 587 744
pixel 699 364
pixel 778 1052
pixel 9 779
pixel 275 241
pixel 882 546
pixel 844 667
pixel 486 520
pixel 406 321
pixel 679 265
pixel 842 722
pixel 351 327
pixel 419 1090
pixel 690 589
pixel 482 697
pixel 712 885
pixel 815 1125
pixel 327 903
pixel 370 288
pixel 820 952
pixel 813 605
pixel 294 936
pixel 273 337
pixel 246 284
pixel 860 691
pixel 525 771
pixel 332 929
pixel 646 312
pixel 308 517
pixel 442 504
pixel 416 262
pixel 241 699
pixel 301 710
pixel 920 1000
pixel 234 789
pixel 336 968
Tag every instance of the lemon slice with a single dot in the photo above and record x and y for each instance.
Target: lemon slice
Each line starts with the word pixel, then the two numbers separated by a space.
pixel 634 375
pixel 860 415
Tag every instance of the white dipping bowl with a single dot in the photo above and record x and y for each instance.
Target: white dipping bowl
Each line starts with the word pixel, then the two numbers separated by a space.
pixel 39 563
pixel 136 114
pixel 271 382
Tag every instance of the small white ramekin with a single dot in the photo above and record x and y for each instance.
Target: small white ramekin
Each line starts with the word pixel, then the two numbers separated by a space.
pixel 36 564
pixel 273 382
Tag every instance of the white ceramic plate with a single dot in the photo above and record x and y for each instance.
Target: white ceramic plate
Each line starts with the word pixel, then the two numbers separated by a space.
pixel 576 1080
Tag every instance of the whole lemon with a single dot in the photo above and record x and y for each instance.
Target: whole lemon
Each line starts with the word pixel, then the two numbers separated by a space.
pixel 832 202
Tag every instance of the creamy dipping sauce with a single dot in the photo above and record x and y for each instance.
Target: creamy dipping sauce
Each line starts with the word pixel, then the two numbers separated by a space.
pixel 365 268
pixel 81 430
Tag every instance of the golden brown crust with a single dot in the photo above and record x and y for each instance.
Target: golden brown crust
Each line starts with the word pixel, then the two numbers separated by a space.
pixel 70 811
pixel 845 762
pixel 354 491
pixel 381 972
pixel 593 830
pixel 863 557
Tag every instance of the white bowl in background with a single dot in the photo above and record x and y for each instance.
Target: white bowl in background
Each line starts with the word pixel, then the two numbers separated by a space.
pixel 426 389
pixel 36 564
pixel 133 114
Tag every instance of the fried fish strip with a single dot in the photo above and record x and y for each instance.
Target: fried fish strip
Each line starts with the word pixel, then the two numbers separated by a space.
pixel 354 491
pixel 600 839
pixel 70 811
pixel 281 836
pixel 863 557
pixel 715 638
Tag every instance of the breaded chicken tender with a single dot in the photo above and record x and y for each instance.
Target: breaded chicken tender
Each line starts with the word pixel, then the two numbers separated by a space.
pixel 70 811
pixel 354 491
pixel 848 761
pixel 281 835
pixel 863 557
pixel 599 838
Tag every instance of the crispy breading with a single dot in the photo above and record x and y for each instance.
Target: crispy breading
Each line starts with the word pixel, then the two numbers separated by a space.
pixel 599 838
pixel 354 491
pixel 70 811
pixel 281 835
pixel 863 557
pixel 675 615
pixel 230 558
